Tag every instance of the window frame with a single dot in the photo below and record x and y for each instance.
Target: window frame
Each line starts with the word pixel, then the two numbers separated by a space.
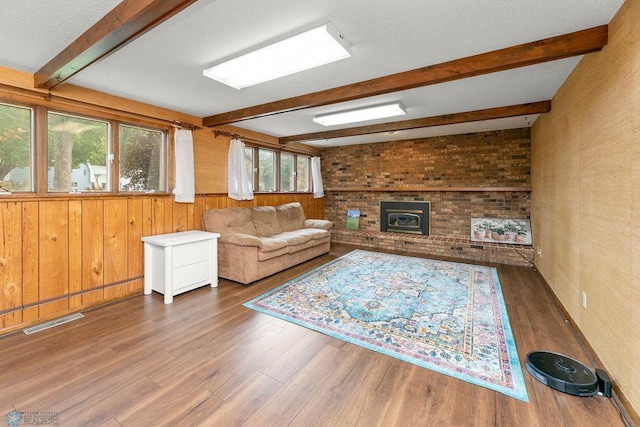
pixel 292 177
pixel 39 147
pixel 274 155
pixel 277 168
pixel 109 159
pixel 32 146
pixel 164 161
pixel 297 172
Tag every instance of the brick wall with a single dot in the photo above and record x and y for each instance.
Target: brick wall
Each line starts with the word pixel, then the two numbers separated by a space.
pixel 490 159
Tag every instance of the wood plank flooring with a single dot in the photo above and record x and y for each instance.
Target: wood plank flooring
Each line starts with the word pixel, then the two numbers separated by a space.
pixel 207 360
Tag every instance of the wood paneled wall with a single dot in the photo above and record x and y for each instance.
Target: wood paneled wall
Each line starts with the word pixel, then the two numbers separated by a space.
pixel 62 254
pixel 65 255
pixel 586 200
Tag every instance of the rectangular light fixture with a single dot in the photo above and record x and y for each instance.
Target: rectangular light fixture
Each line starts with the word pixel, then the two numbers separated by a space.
pixel 361 114
pixel 309 49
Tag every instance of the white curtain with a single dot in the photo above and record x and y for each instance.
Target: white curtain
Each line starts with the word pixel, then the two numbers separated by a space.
pixel 184 190
pixel 238 181
pixel 316 177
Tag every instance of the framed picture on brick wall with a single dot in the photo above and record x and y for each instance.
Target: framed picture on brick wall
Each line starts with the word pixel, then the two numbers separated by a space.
pixel 353 219
pixel 495 230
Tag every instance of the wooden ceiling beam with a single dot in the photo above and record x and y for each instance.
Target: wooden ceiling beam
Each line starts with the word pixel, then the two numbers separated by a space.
pixel 123 24
pixel 549 49
pixel 446 119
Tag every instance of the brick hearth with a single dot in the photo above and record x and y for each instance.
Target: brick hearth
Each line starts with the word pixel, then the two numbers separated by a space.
pixel 438 245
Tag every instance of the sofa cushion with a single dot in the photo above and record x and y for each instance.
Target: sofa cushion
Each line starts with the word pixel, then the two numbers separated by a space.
pixel 240 239
pixel 317 223
pixel 315 233
pixel 229 220
pixel 294 237
pixel 290 216
pixel 270 244
pixel 297 248
pixel 265 221
pixel 263 256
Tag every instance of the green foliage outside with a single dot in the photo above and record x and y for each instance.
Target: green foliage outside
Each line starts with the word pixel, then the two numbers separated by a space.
pixel 74 140
pixel 15 145
pixel 140 159
pixel 286 172
pixel 267 159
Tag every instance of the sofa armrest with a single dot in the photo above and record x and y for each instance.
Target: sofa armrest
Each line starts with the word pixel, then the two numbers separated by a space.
pixel 318 223
pixel 240 239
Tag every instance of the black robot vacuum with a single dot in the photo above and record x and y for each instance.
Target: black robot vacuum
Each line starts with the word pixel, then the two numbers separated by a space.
pixel 562 373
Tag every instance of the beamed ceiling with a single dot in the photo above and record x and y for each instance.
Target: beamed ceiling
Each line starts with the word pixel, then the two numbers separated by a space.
pixel 458 67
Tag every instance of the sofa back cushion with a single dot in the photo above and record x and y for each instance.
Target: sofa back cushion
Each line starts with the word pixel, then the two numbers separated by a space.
pixel 229 220
pixel 265 221
pixel 290 216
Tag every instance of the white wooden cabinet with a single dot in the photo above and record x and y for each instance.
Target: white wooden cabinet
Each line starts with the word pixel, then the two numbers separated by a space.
pixel 179 262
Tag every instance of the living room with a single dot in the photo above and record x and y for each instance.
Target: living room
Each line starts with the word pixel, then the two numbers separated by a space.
pixel 573 173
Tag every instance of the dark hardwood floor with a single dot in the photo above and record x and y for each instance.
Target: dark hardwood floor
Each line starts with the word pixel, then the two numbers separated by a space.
pixel 207 360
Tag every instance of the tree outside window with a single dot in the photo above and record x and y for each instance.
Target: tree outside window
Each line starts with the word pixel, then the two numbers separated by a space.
pixel 77 154
pixel 271 170
pixel 266 170
pixel 286 172
pixel 141 156
pixel 302 174
pixel 15 148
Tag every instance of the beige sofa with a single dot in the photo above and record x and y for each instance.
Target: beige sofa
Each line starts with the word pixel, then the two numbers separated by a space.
pixel 258 242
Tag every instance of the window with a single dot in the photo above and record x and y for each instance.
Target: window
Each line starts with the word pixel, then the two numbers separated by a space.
pixel 77 153
pixel 286 172
pixel 303 183
pixel 266 170
pixel 15 148
pixel 142 159
pixel 270 170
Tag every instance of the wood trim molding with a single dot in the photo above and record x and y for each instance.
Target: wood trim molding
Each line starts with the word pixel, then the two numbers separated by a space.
pixel 445 119
pixel 123 24
pixel 549 49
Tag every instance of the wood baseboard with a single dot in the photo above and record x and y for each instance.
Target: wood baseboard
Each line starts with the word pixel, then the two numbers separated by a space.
pixel 628 415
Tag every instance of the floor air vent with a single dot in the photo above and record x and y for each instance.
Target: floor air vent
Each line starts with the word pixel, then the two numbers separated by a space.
pixel 53 323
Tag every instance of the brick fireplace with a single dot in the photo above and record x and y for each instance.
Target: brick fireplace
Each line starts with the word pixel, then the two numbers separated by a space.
pixel 460 177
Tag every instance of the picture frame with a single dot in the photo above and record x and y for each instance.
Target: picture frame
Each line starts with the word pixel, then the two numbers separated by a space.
pixel 498 230
pixel 353 219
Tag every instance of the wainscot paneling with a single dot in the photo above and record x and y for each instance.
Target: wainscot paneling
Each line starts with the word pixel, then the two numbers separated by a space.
pixel 61 255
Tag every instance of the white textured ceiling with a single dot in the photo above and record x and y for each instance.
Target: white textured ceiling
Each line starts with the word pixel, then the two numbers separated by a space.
pixel 164 66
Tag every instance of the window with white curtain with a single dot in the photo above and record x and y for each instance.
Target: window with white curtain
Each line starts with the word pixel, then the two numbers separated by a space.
pixel 278 171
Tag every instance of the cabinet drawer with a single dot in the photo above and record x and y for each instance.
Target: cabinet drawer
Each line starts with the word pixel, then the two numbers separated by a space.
pixel 191 253
pixel 190 275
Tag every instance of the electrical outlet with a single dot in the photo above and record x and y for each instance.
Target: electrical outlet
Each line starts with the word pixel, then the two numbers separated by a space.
pixel 539 251
pixel 584 300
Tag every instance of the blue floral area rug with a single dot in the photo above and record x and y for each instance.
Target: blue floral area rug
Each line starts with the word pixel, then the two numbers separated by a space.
pixel 444 316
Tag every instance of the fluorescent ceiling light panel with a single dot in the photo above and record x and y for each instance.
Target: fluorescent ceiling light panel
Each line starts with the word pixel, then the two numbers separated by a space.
pixel 312 48
pixel 361 114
